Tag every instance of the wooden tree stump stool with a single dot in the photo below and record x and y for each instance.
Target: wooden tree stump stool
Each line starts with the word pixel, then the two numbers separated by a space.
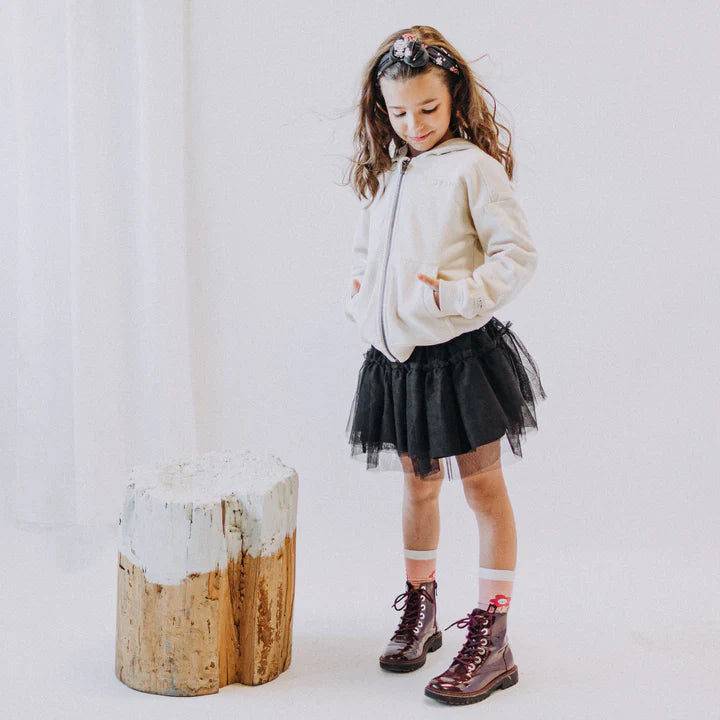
pixel 206 573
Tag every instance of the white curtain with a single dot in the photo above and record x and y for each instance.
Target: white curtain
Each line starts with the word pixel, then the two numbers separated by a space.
pixel 94 291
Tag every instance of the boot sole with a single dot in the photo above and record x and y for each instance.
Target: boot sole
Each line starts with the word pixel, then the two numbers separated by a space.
pixel 433 643
pixel 503 681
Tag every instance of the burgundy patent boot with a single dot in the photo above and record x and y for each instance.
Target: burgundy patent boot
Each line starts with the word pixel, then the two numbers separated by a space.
pixel 417 634
pixel 485 662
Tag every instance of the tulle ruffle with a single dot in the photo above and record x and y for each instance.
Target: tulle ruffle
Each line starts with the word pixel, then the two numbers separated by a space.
pixel 445 400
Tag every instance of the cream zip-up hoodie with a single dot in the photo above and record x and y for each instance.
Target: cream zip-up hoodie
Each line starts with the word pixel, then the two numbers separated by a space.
pixel 451 214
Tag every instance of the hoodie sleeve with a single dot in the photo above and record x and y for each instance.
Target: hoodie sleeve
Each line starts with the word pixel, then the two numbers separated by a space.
pixel 503 234
pixel 359 261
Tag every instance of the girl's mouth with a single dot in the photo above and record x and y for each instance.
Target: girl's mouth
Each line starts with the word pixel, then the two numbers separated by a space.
pixel 422 137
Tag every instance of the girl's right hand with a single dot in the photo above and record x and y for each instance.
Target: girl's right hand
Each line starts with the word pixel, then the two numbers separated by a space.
pixel 356 285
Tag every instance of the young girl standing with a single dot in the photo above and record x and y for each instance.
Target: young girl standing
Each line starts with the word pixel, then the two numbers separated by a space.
pixel 442 245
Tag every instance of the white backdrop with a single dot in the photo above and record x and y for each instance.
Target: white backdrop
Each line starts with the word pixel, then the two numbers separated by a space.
pixel 176 244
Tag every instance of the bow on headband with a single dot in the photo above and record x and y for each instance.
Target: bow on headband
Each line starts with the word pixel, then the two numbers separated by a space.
pixel 413 52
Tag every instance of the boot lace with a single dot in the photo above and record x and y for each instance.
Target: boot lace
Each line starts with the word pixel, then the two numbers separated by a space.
pixel 414 612
pixel 474 651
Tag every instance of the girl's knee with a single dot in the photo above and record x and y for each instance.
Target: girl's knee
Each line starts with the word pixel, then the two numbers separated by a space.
pixel 485 491
pixel 482 477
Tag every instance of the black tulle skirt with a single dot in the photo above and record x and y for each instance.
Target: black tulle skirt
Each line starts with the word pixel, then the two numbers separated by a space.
pixel 445 400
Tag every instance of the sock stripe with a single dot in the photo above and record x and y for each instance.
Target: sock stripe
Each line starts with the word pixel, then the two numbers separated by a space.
pixel 492 574
pixel 421 554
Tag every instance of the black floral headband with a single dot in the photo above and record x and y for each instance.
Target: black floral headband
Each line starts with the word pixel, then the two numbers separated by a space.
pixel 413 52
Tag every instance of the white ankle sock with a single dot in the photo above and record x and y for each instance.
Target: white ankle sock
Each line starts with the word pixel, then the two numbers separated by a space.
pixel 420 565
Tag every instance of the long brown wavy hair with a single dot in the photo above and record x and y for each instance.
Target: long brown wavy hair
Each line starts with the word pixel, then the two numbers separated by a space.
pixel 470 118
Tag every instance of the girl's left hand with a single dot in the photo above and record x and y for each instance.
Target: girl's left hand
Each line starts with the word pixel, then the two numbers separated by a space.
pixel 434 284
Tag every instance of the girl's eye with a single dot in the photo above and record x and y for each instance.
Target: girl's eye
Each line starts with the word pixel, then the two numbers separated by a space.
pixel 427 112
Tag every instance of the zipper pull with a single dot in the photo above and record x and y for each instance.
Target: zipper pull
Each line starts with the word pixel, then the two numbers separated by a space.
pixel 405 163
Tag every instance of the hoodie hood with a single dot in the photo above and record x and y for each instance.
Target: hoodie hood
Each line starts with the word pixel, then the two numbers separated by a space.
pixel 450 145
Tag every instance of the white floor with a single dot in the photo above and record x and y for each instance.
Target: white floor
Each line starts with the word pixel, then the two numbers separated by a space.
pixel 599 628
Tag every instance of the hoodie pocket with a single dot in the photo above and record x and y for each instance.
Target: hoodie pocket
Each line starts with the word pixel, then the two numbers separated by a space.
pixel 430 303
pixel 416 305
pixel 350 305
pixel 358 305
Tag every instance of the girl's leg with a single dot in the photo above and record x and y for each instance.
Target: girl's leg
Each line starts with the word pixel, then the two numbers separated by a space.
pixel 485 662
pixel 418 632
pixel 487 496
pixel 421 508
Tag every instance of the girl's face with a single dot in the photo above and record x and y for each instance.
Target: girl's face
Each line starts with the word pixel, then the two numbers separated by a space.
pixel 419 109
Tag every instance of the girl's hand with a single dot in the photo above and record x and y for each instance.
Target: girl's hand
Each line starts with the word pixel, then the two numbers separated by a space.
pixel 435 285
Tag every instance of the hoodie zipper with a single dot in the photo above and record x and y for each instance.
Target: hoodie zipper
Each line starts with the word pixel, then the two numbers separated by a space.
pixel 404 164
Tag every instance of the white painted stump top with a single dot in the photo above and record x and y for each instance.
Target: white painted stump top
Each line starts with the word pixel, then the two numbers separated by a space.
pixel 211 476
pixel 172 520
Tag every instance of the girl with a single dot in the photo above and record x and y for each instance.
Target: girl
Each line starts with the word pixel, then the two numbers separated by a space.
pixel 441 246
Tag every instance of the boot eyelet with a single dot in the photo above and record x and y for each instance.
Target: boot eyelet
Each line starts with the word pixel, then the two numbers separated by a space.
pixel 482 651
pixel 485 622
pixel 485 631
pixel 471 667
pixel 422 615
pixel 483 641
